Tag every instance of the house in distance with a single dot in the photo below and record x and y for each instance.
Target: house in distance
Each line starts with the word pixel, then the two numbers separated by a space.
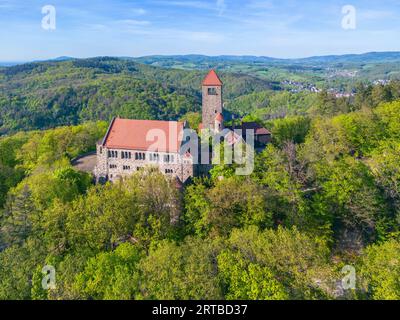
pixel 129 145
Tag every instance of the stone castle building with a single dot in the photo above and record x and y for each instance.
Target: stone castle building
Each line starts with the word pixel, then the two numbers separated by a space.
pixel 130 145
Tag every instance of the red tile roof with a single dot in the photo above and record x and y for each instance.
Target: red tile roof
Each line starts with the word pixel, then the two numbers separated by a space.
pixel 219 117
pixel 144 135
pixel 212 79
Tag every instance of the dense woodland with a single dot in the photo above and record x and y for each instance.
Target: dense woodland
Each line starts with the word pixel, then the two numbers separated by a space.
pixel 324 194
pixel 49 94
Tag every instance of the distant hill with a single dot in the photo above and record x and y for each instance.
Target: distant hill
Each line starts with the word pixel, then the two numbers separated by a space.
pixel 326 71
pixel 41 95
pixel 371 57
pixel 9 64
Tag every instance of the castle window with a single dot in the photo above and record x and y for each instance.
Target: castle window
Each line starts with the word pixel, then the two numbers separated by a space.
pixel 130 155
pixel 113 166
pixel 169 171
pixel 167 158
pixel 101 150
pixel 126 167
pixel 154 157
pixel 122 155
pixel 109 153
pixel 140 156
pixel 212 92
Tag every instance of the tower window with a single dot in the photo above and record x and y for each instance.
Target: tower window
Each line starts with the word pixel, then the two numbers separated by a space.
pixel 212 91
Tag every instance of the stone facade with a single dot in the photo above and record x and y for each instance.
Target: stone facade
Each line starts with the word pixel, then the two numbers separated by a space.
pixel 212 105
pixel 114 164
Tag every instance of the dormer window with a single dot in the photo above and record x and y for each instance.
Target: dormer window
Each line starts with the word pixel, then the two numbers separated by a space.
pixel 212 91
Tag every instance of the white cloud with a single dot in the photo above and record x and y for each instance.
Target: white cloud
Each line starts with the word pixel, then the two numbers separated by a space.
pixel 261 4
pixel 374 14
pixel 209 37
pixel 132 22
pixel 139 11
pixel 219 5
pixel 187 4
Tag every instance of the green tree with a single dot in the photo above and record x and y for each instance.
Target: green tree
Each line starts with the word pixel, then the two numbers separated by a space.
pixel 380 271
pixel 292 129
pixel 230 203
pixel 245 280
pixel 111 275
pixel 183 272
pixel 298 261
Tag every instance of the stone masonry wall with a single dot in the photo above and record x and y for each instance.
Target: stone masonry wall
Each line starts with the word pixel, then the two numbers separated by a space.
pixel 109 168
pixel 212 104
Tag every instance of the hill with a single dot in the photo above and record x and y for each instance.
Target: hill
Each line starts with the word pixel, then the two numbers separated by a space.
pixel 326 71
pixel 43 95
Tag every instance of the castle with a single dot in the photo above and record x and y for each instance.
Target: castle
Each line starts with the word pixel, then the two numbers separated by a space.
pixel 130 145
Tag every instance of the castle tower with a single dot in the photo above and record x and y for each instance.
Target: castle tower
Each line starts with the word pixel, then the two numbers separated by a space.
pixel 212 101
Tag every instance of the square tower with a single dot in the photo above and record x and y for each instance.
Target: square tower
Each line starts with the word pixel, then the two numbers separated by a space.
pixel 212 100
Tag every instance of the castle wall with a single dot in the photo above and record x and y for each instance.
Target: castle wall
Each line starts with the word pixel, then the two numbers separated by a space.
pixel 114 168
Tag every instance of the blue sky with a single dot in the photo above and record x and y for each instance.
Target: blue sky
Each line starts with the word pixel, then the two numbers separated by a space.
pixel 283 28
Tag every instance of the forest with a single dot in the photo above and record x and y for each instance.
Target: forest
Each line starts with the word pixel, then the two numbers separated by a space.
pixel 324 194
pixel 45 95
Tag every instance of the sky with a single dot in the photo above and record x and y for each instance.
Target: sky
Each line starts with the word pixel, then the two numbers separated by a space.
pixel 275 28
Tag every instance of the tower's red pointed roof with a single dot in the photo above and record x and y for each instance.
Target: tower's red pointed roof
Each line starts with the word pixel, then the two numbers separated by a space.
pixel 212 79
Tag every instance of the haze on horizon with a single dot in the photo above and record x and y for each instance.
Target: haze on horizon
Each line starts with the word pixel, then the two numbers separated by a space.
pixel 280 29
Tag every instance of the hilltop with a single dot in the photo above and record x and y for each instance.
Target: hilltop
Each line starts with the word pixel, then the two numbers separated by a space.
pixel 41 95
